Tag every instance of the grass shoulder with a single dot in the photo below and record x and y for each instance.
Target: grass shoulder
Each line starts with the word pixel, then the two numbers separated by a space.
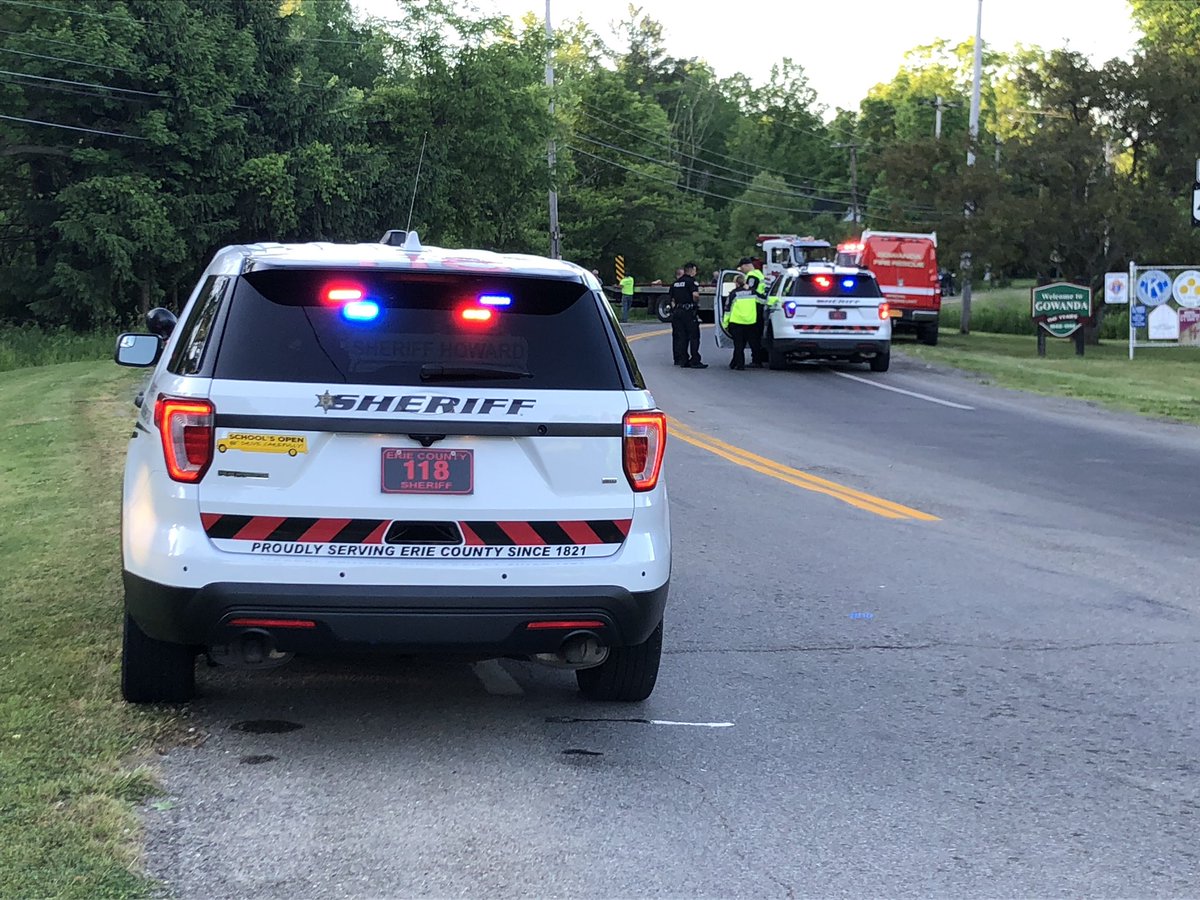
pixel 72 754
pixel 1159 382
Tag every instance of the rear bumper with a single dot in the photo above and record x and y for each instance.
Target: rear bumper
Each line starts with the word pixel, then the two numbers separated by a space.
pixel 406 618
pixel 915 317
pixel 831 348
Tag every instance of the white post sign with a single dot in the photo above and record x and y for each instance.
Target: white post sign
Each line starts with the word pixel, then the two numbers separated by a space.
pixel 1116 287
pixel 1164 324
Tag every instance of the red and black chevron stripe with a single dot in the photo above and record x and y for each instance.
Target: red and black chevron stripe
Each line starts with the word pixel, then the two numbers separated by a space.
pixel 295 528
pixel 508 534
pixel 221 526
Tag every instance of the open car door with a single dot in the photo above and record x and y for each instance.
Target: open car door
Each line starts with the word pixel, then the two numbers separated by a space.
pixel 721 307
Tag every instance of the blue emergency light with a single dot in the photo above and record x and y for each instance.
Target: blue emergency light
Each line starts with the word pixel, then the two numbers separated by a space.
pixel 848 284
pixel 361 311
pixel 495 300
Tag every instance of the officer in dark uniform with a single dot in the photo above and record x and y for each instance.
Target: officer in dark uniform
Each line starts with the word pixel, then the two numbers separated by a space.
pixel 685 319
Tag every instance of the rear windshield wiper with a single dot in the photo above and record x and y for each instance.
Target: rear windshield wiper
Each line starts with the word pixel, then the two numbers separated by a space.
pixel 437 372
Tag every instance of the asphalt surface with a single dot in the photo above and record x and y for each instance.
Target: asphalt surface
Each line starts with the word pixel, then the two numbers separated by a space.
pixel 1001 702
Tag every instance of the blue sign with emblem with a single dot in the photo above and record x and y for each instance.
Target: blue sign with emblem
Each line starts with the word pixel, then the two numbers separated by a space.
pixel 1137 316
pixel 1154 287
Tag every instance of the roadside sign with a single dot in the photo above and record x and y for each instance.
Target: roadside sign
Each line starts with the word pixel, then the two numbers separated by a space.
pixel 1116 287
pixel 1186 289
pixel 1164 324
pixel 1061 308
pixel 1153 287
pixel 1196 205
pixel 619 265
pixel 1137 316
pixel 1189 327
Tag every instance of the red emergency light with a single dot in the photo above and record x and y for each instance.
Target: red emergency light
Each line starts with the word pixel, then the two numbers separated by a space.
pixel 824 282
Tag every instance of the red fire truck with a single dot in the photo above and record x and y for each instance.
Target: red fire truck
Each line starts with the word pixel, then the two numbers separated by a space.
pixel 905 265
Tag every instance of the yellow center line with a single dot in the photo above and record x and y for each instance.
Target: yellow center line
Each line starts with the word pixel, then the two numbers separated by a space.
pixel 860 499
pixel 801 479
pixel 641 336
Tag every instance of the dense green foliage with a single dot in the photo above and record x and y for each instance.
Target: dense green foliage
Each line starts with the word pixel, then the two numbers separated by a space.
pixel 138 136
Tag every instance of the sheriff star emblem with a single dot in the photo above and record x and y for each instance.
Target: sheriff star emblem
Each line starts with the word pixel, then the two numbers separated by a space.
pixel 325 401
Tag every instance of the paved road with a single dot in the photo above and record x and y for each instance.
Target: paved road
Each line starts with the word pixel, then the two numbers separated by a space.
pixel 957 645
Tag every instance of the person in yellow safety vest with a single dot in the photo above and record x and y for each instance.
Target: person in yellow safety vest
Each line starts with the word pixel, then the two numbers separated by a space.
pixel 739 322
pixel 756 282
pixel 626 297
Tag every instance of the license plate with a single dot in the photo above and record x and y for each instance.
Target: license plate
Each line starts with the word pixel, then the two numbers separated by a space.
pixel 408 470
pixel 837 314
pixel 895 313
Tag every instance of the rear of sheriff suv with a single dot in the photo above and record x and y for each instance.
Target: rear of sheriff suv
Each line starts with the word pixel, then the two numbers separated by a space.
pixel 391 447
pixel 823 312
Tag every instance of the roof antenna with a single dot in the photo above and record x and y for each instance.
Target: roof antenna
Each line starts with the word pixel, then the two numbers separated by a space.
pixel 413 202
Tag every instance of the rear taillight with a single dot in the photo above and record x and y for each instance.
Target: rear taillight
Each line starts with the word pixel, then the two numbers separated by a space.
pixel 884 311
pixel 789 309
pixel 645 440
pixel 186 429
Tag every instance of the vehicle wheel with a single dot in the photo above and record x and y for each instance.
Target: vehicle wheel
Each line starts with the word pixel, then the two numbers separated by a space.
pixel 155 671
pixel 776 359
pixel 880 361
pixel 928 335
pixel 628 674
pixel 662 308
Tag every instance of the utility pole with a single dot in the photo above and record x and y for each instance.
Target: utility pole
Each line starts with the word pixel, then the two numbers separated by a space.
pixel 938 104
pixel 555 242
pixel 964 325
pixel 853 148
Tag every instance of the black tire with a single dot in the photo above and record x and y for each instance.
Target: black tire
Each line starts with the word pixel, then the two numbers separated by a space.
pixel 628 674
pixel 928 335
pixel 155 671
pixel 881 361
pixel 776 360
pixel 662 308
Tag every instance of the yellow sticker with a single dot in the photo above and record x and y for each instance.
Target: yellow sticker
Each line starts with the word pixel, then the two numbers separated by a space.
pixel 290 444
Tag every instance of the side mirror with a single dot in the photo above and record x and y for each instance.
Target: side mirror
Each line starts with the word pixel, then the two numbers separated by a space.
pixel 138 350
pixel 161 321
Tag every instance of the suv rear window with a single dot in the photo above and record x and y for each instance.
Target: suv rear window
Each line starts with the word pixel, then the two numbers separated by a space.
pixel 409 328
pixel 818 284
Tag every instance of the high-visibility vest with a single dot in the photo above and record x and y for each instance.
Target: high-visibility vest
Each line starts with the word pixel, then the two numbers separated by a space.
pixel 742 311
pixel 627 286
pixel 759 288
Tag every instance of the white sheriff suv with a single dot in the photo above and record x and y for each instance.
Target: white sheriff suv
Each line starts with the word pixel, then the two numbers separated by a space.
pixel 819 311
pixel 391 447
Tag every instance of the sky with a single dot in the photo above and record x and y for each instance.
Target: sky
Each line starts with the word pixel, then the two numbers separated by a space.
pixel 845 47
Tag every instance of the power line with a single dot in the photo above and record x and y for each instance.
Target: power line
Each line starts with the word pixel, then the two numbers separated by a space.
pixel 691 190
pixel 66 90
pixel 38 37
pixel 645 135
pixel 794 195
pixel 74 62
pixel 73 12
pixel 132 137
pixel 105 87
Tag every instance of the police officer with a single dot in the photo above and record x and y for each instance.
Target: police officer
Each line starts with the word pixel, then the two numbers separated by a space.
pixel 757 283
pixel 626 297
pixel 685 319
pixel 739 322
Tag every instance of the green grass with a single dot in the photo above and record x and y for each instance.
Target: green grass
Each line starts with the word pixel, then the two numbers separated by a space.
pixel 22 346
pixel 72 755
pixel 1159 382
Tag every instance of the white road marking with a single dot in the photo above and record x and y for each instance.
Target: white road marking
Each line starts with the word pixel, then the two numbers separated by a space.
pixel 888 387
pixel 495 678
pixel 693 724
